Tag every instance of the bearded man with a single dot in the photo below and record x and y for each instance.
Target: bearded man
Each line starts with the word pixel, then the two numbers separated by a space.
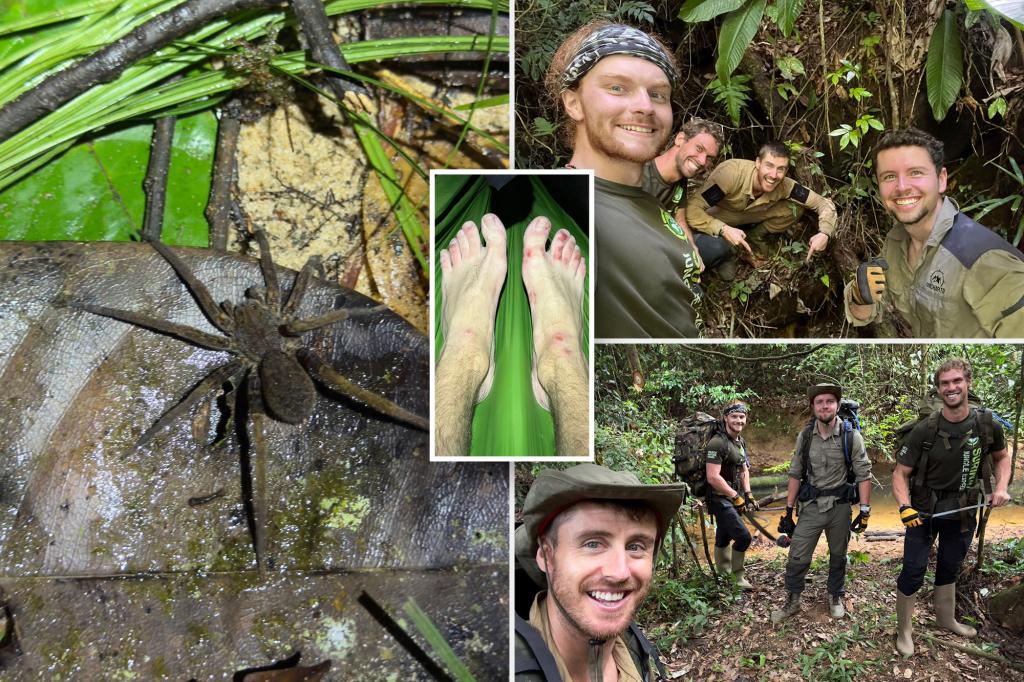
pixel 612 85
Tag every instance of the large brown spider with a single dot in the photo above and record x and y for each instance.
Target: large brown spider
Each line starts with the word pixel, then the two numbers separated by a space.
pixel 272 371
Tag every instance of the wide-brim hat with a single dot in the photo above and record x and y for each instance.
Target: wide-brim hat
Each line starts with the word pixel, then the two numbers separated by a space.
pixel 816 390
pixel 554 491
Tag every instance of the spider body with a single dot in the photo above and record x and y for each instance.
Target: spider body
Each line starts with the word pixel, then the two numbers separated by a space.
pixel 271 371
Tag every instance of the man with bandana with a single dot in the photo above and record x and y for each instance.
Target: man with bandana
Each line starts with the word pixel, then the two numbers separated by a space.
pixel 728 472
pixel 694 146
pixel 588 538
pixel 755 193
pixel 613 85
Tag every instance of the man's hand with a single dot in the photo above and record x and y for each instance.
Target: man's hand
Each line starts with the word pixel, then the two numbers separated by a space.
pixel 909 516
pixel 751 502
pixel 860 523
pixel 786 523
pixel 999 498
pixel 817 243
pixel 739 503
pixel 870 281
pixel 736 237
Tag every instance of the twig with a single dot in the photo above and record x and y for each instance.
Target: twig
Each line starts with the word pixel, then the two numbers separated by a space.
pixel 707 351
pixel 110 62
pixel 973 651
pixel 402 637
pixel 155 183
pixel 317 30
pixel 225 176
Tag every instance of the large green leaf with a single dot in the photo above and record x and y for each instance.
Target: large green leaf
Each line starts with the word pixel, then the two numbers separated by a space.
pixel 738 30
pixel 788 11
pixel 94 192
pixel 944 71
pixel 1011 10
pixel 702 10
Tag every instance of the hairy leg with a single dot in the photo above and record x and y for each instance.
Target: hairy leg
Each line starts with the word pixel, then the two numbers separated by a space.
pixel 472 275
pixel 554 285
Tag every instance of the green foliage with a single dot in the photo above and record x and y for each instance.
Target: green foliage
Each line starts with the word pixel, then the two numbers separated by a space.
pixel 853 134
pixel 1007 558
pixel 997 108
pixel 734 93
pixel 829 660
pixel 543 127
pixel 786 13
pixel 691 597
pixel 1014 201
pixel 737 32
pixel 944 70
pixel 741 290
pixel 780 468
pixel 789 66
pixel 694 11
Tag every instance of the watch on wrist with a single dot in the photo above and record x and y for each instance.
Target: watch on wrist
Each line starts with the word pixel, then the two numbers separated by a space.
pixel 865 509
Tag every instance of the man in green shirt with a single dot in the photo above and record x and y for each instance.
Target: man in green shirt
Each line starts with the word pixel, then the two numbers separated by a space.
pixel 945 274
pixel 614 85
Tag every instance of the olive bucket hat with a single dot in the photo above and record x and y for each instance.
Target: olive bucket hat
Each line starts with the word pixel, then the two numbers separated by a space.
pixel 817 389
pixel 554 491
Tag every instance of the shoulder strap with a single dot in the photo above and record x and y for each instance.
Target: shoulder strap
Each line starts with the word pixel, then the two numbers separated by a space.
pixel 987 431
pixel 648 651
pixel 931 433
pixel 542 660
pixel 805 449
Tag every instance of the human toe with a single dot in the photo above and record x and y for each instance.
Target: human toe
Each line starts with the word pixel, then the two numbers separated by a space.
pixel 494 230
pixel 561 245
pixel 454 253
pixel 535 236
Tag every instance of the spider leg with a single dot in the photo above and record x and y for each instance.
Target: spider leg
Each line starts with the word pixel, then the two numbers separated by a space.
pixel 254 470
pixel 311 268
pixel 199 292
pixel 202 389
pixel 296 327
pixel 178 331
pixel 327 376
pixel 269 273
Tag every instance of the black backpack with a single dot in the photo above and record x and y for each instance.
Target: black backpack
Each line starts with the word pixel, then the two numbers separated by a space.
pixel 929 410
pixel 691 453
pixel 849 420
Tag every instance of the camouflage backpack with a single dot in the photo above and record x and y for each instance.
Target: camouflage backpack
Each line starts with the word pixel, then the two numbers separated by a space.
pixel 690 457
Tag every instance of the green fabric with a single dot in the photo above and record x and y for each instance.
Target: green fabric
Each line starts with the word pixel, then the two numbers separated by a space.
pixel 509 422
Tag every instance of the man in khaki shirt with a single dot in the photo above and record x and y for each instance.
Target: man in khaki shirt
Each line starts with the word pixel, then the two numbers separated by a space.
pixel 740 193
pixel 589 536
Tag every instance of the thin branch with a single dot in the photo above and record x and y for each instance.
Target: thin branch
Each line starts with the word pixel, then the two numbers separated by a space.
pixel 155 183
pixel 110 62
pixel 225 178
pixel 973 651
pixel 317 30
pixel 796 354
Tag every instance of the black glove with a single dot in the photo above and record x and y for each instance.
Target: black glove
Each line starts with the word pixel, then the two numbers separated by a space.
pixel 786 523
pixel 751 502
pixel 870 281
pixel 909 516
pixel 860 524
pixel 739 503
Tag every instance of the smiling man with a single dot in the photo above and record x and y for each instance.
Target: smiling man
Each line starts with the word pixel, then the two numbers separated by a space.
pixel 694 147
pixel 945 274
pixel 612 85
pixel 942 471
pixel 744 199
pixel 589 536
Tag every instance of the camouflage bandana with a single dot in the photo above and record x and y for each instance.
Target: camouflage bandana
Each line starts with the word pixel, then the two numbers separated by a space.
pixel 616 39
pixel 739 407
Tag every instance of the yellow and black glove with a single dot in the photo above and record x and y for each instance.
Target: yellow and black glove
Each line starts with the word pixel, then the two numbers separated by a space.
pixel 751 502
pixel 870 281
pixel 860 523
pixel 740 503
pixel 909 516
pixel 786 523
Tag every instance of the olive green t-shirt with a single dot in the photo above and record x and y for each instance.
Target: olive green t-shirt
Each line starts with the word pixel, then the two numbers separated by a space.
pixel 954 461
pixel 645 267
pixel 670 195
pixel 729 453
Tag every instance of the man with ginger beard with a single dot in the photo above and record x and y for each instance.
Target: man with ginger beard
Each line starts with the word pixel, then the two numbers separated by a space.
pixel 613 85
pixel 589 536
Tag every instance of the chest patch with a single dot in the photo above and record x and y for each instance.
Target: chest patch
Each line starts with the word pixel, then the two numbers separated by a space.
pixel 937 281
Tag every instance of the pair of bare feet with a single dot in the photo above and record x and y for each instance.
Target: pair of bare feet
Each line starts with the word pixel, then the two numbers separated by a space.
pixel 472 277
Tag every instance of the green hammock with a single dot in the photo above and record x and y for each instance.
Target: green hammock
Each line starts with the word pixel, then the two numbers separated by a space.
pixel 509 422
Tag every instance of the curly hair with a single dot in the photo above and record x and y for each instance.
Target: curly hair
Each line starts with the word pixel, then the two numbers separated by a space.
pixel 697 126
pixel 954 363
pixel 553 76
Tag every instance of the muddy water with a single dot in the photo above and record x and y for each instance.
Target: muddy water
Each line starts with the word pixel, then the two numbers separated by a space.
pixel 885 513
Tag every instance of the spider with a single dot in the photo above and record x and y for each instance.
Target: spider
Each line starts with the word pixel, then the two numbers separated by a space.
pixel 264 336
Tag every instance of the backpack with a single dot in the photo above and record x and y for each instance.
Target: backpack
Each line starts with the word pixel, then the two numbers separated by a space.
pixel 849 421
pixel 691 454
pixel 929 410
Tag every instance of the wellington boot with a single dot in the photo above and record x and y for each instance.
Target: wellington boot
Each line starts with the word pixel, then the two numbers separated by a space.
pixel 723 559
pixel 945 611
pixel 791 606
pixel 836 609
pixel 738 571
pixel 905 624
